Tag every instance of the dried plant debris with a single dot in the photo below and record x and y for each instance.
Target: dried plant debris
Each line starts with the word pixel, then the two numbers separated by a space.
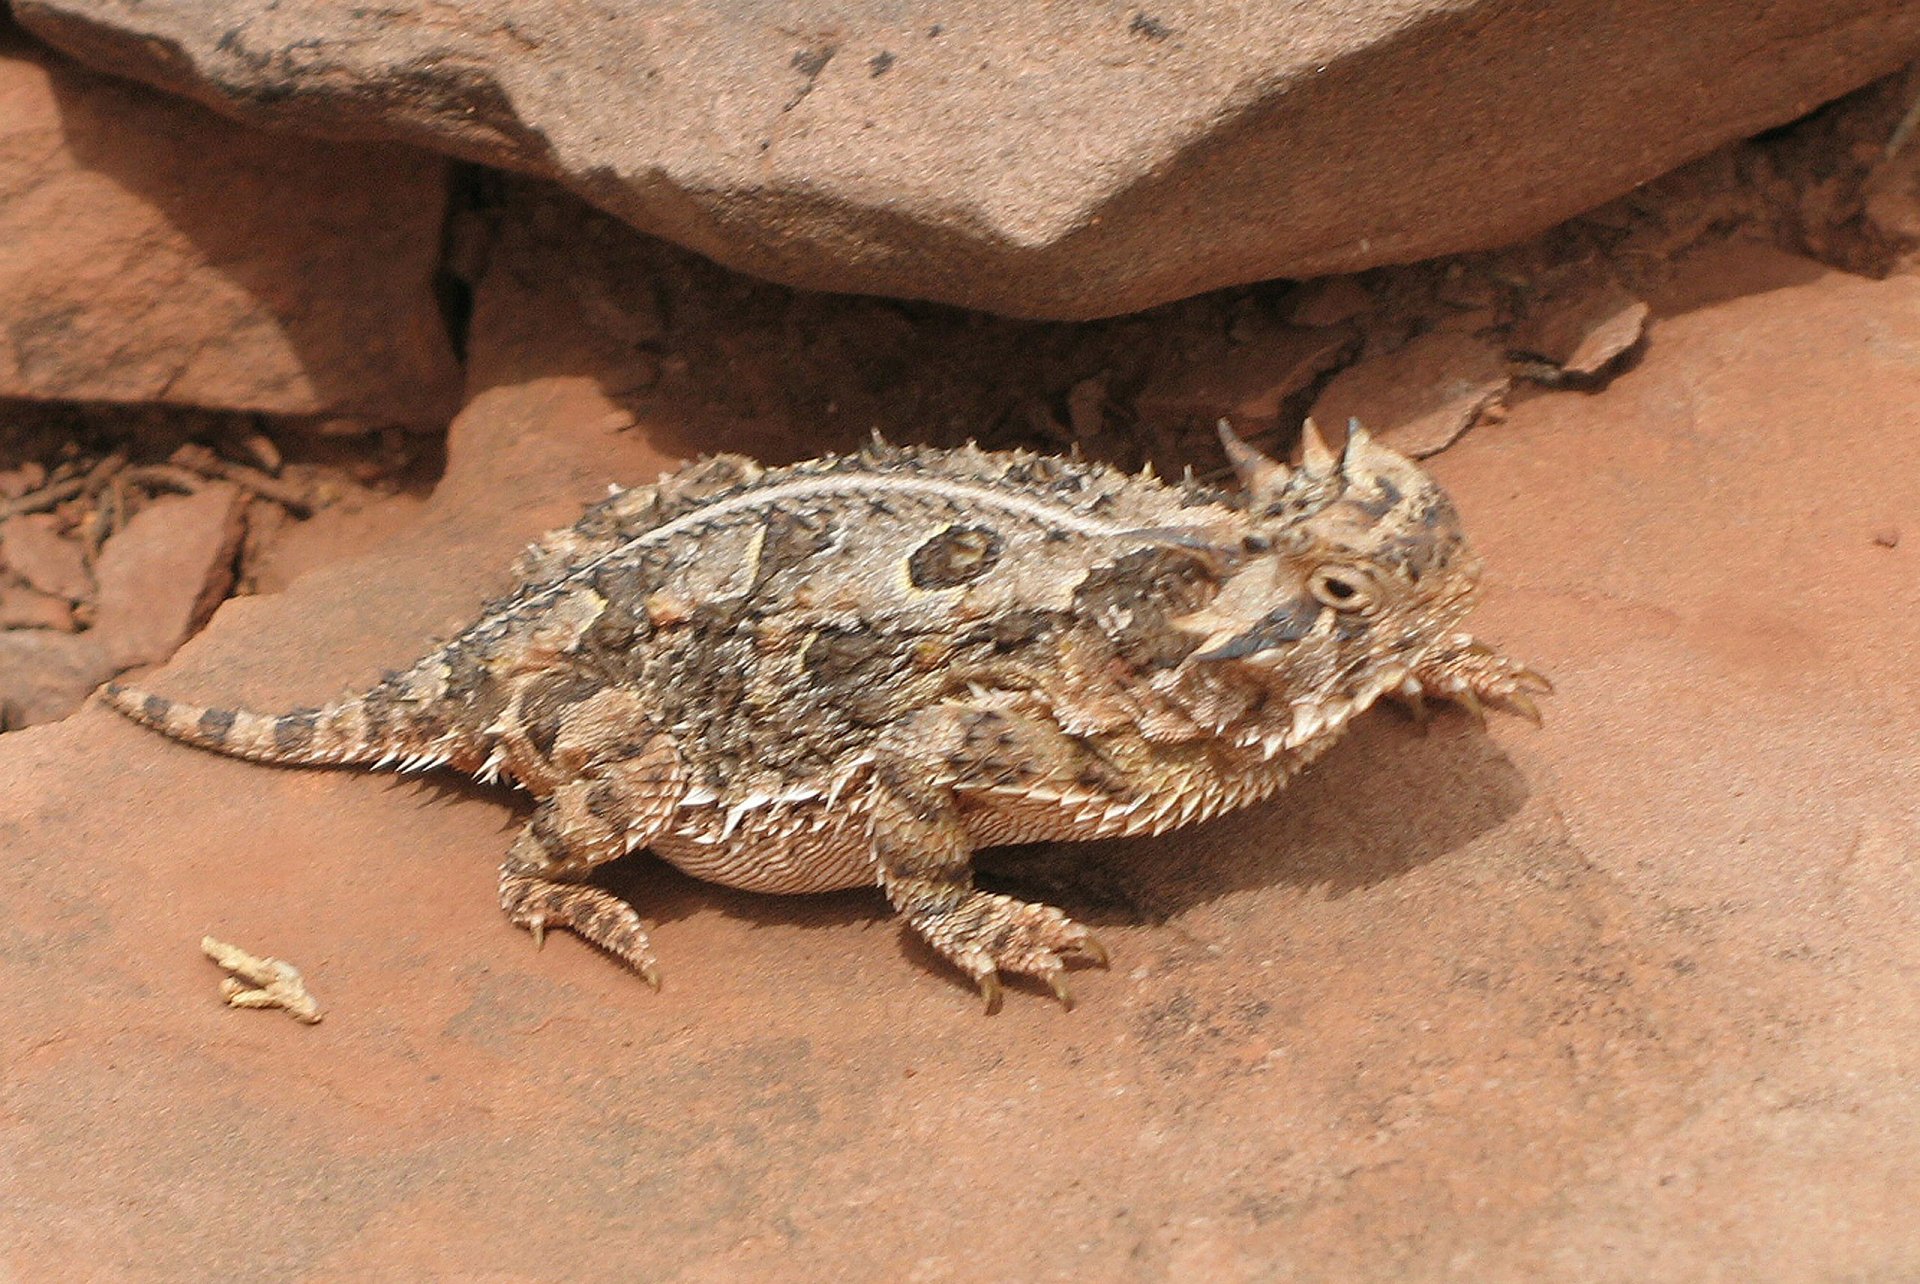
pixel 122 528
pixel 262 982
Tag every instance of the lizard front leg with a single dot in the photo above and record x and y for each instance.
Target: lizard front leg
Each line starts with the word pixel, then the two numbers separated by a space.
pixel 620 801
pixel 1471 674
pixel 925 855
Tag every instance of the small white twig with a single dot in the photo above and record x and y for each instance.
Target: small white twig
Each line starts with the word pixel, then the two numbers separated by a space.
pixel 262 983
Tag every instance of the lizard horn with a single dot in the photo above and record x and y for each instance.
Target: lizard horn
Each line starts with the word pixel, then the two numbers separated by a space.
pixel 1255 470
pixel 1316 457
pixel 1359 442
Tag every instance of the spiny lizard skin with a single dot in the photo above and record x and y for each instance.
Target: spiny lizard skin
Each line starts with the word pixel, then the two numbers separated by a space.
pixel 858 670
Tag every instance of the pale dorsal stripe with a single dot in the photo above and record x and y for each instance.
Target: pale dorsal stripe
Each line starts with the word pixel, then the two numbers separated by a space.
pixel 967 496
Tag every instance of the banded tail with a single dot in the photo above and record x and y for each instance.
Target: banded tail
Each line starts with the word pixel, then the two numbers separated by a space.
pixel 365 730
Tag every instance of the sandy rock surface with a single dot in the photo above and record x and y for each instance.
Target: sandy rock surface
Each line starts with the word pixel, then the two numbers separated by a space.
pixel 151 251
pixel 1063 161
pixel 161 577
pixel 1633 997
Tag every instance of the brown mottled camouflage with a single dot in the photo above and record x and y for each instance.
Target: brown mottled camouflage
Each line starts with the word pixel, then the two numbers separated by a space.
pixel 860 669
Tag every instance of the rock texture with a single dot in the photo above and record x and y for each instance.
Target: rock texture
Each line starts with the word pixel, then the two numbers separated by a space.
pixel 162 575
pixel 1629 998
pixel 1419 397
pixel 1066 161
pixel 44 675
pixel 33 547
pixel 151 251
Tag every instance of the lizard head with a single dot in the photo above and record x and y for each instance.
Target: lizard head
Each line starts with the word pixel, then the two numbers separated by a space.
pixel 1355 582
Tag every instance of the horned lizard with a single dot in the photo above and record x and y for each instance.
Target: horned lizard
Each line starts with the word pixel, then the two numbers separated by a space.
pixel 859 669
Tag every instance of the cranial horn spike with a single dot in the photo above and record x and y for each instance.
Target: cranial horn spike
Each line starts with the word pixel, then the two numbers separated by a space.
pixel 1315 455
pixel 1359 444
pixel 1256 471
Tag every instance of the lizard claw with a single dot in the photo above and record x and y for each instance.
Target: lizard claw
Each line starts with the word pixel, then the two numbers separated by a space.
pixel 989 983
pixel 1523 704
pixel 1095 952
pixel 987 934
pixel 591 913
pixel 1057 982
pixel 1475 677
pixel 1531 679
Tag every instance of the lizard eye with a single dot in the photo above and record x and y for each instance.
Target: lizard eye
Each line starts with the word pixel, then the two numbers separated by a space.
pixel 1344 588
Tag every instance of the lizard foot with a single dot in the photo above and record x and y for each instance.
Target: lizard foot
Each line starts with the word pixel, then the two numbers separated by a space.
pixel 984 934
pixel 588 912
pixel 1476 678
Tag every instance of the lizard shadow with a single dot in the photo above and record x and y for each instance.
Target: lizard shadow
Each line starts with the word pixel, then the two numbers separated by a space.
pixel 1385 801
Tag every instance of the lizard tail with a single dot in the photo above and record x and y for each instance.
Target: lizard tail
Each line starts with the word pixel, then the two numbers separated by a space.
pixel 363 730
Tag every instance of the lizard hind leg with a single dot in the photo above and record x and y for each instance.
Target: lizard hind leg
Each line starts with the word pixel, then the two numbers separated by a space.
pixel 542 886
pixel 926 869
pixel 587 822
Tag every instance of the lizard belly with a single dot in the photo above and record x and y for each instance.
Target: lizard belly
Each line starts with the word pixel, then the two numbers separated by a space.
pixel 787 848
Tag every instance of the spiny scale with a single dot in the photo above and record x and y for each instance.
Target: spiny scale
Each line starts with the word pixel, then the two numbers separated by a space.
pixel 859 669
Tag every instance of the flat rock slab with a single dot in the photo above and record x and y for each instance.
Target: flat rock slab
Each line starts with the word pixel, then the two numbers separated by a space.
pixel 1584 331
pixel 44 675
pixel 1420 397
pixel 25 608
pixel 1629 998
pixel 151 251
pixel 165 571
pixel 33 547
pixel 1036 160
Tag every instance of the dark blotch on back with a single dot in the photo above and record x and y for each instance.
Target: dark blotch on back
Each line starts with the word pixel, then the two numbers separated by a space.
pixel 855 669
pixel 544 706
pixel 624 623
pixel 1017 629
pixel 1147 589
pixel 294 731
pixel 792 539
pixel 216 723
pixel 957 555
pixel 470 687
pixel 156 707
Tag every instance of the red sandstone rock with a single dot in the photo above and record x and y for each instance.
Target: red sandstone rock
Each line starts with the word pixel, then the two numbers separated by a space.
pixel 33 547
pixel 23 608
pixel 1418 398
pixel 1585 331
pixel 1627 998
pixel 152 251
pixel 1250 382
pixel 163 574
pixel 1040 160
pixel 45 675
